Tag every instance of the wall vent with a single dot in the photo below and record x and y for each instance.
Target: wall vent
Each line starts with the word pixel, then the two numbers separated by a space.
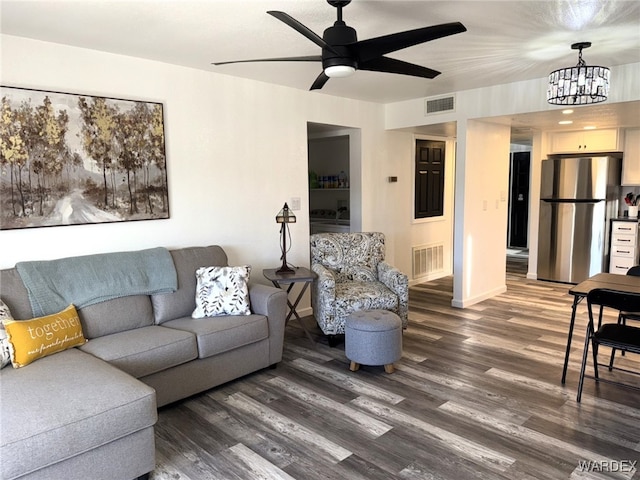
pixel 440 105
pixel 427 259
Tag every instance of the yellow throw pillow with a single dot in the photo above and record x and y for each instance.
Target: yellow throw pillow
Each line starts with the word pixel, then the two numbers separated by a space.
pixel 32 339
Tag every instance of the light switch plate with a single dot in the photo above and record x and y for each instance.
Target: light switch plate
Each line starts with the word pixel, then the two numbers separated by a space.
pixel 295 203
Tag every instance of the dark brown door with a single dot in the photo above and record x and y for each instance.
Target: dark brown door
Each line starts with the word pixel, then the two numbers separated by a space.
pixel 429 201
pixel 519 200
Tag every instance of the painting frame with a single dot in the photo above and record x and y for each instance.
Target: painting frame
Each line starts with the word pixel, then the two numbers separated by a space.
pixel 75 159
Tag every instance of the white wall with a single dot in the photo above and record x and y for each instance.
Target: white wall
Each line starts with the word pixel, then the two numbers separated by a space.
pixel 236 151
pixel 479 244
pixel 482 198
pixel 410 232
pixel 508 99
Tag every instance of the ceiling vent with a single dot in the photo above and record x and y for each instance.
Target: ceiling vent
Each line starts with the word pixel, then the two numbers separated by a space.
pixel 440 105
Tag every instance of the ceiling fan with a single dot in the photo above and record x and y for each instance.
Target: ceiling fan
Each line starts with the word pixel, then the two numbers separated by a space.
pixel 343 54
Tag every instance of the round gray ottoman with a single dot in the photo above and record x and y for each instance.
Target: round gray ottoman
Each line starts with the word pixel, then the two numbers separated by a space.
pixel 373 337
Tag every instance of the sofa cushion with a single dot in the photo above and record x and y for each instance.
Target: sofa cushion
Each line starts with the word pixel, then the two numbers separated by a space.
pixel 182 302
pixel 222 291
pixel 71 403
pixel 220 334
pixel 118 315
pixel 145 350
pixel 14 294
pixel 39 337
pixel 354 296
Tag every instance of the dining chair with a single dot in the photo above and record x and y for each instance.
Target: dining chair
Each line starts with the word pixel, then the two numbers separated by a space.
pixel 614 335
pixel 624 316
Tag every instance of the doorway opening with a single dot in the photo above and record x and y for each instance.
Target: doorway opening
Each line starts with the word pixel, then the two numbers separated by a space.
pixel 518 222
pixel 334 164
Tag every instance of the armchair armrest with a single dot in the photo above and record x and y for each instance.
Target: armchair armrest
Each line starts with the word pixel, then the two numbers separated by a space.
pixel 397 282
pixel 325 276
pixel 272 303
pixel 323 295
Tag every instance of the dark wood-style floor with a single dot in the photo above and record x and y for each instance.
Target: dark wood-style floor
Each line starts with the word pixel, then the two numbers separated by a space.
pixel 477 395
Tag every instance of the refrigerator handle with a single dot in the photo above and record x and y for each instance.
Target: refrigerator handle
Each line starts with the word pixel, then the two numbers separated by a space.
pixel 572 200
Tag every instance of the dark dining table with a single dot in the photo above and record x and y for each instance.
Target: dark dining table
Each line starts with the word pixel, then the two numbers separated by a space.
pixel 611 281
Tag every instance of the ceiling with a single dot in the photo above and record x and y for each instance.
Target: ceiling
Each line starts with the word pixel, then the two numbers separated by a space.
pixel 506 41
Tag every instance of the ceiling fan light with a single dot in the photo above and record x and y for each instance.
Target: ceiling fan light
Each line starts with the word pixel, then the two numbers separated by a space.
pixel 338 71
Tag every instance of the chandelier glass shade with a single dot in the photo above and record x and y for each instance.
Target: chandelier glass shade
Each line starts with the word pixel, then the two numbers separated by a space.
pixel 579 85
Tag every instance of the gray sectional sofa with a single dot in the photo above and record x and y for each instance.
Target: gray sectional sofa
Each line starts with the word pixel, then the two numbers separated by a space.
pixel 89 412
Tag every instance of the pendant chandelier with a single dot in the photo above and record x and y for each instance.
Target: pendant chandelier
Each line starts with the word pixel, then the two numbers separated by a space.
pixel 578 85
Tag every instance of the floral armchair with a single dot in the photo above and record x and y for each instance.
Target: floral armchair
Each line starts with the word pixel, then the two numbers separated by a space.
pixel 353 276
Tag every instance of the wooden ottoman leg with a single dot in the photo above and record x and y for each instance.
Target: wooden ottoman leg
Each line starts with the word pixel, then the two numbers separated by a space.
pixel 389 368
pixel 354 366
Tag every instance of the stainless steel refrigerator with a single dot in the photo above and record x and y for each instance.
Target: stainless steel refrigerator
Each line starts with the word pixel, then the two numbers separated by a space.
pixel 578 198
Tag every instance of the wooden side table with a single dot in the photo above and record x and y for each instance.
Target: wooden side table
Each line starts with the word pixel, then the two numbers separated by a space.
pixel 300 275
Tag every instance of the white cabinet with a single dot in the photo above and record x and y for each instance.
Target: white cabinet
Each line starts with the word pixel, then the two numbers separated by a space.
pixel 624 246
pixel 605 140
pixel 631 158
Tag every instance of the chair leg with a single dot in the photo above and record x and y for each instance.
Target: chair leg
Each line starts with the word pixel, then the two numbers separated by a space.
pixel 583 367
pixel 354 366
pixel 613 354
pixel 621 320
pixel 594 347
pixel 624 322
pixel 333 340
pixel 600 317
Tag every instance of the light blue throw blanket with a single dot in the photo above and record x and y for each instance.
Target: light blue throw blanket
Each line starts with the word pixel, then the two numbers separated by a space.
pixel 86 280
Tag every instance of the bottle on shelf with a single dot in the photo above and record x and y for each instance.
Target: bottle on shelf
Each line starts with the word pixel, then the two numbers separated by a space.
pixel 343 181
pixel 313 180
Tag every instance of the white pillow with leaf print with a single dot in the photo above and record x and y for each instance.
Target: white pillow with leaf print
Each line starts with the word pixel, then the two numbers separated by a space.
pixel 5 353
pixel 222 291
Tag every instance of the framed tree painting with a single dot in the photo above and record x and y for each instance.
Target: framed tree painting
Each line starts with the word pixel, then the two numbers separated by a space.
pixel 70 159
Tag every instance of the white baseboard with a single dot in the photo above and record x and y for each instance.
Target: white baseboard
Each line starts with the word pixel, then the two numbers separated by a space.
pixel 428 278
pixel 303 312
pixel 472 301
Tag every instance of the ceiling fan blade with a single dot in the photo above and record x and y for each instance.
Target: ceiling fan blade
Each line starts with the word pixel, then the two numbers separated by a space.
pixel 320 81
pixel 391 65
pixel 378 46
pixel 311 58
pixel 300 28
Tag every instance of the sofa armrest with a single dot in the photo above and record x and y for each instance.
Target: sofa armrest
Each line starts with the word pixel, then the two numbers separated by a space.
pixel 272 303
pixel 398 283
pixel 267 300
